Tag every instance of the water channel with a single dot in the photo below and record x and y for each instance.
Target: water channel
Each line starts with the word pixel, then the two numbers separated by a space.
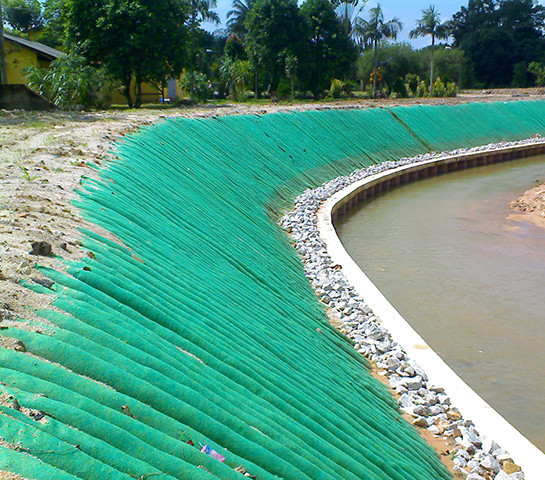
pixel 468 280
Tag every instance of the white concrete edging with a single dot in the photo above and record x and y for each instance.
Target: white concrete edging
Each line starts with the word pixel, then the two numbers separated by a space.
pixel 487 421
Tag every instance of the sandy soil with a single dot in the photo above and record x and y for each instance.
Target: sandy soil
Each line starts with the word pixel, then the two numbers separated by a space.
pixel 43 156
pixel 530 207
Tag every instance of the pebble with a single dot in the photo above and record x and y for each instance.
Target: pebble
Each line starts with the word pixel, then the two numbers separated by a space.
pixel 476 457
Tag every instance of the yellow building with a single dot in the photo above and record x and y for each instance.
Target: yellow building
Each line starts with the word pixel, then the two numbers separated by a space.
pixel 151 94
pixel 22 53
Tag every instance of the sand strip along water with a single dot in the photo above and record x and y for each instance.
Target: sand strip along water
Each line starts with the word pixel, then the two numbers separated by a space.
pixel 392 343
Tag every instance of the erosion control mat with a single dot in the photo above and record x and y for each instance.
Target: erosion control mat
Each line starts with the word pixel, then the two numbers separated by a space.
pixel 200 328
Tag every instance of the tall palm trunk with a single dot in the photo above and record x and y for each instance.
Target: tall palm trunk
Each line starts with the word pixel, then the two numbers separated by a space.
pixel 375 61
pixel 431 66
pixel 3 73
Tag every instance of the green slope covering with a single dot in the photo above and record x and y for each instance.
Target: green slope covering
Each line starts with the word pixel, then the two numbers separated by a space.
pixel 202 326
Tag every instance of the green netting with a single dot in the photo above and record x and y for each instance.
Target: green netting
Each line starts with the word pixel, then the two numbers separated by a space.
pixel 202 327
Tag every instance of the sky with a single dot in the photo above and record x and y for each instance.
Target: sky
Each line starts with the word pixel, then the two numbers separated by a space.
pixel 408 11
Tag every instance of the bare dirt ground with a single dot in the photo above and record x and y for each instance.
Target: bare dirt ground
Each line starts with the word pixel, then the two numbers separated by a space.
pixel 43 157
pixel 530 206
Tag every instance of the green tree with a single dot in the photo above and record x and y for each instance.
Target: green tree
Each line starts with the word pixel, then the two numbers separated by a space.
pixel 498 34
pixel 430 24
pixel 330 50
pixel 236 22
pixel 538 70
pixel 237 74
pixel 23 15
pixel 234 48
pixel 396 60
pixel 276 28
pixel 449 63
pixel 199 11
pixel 374 31
pixel 136 40
pixel 55 13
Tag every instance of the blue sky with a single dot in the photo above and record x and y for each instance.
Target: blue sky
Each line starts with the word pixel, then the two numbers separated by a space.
pixel 408 11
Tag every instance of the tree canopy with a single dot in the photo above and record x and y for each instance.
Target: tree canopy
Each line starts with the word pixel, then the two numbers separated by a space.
pixel 430 24
pixel 330 50
pixel 276 30
pixel 144 40
pixel 496 35
pixel 23 15
pixel 237 16
pixel 374 31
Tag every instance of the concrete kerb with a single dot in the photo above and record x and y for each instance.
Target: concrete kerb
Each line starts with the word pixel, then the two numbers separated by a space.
pixel 328 265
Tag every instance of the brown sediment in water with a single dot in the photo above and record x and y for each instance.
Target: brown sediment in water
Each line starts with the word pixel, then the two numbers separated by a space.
pixel 530 207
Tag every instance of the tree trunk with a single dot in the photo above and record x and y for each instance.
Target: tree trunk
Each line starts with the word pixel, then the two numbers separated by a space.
pixel 431 66
pixel 192 30
pixel 127 91
pixel 375 61
pixel 138 92
pixel 3 73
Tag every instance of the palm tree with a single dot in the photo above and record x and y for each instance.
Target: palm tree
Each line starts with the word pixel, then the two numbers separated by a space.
pixel 430 24
pixel 348 12
pixel 373 31
pixel 237 16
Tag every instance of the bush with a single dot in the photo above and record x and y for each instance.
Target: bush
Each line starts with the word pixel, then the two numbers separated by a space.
pixel 452 89
pixel 197 86
pixel 348 88
pixel 421 89
pixel 439 89
pixel 284 90
pixel 399 87
pixel 538 69
pixel 71 84
pixel 412 79
pixel 336 88
pixel 237 74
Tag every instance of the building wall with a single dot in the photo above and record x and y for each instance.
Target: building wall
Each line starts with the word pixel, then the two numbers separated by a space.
pixel 150 94
pixel 19 58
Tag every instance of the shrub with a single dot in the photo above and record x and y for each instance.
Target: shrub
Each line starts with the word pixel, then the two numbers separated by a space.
pixel 336 88
pixel 452 89
pixel 348 87
pixel 236 73
pixel 439 89
pixel 197 86
pixel 284 89
pixel 399 87
pixel 421 89
pixel 412 79
pixel 538 69
pixel 71 84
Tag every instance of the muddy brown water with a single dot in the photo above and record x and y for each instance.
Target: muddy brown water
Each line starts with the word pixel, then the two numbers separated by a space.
pixel 470 281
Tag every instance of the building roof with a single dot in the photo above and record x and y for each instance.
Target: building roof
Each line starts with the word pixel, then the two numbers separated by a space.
pixel 50 53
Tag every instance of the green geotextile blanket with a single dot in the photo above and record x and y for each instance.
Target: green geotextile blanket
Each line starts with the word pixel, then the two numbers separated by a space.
pixel 200 328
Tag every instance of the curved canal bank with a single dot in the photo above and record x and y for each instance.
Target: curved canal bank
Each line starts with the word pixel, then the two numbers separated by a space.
pixel 466 277
pixel 194 323
pixel 328 263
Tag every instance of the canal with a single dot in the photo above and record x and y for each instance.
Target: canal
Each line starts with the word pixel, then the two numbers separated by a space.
pixel 469 280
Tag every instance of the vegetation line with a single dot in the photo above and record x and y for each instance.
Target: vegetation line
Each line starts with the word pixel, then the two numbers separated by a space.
pixel 410 130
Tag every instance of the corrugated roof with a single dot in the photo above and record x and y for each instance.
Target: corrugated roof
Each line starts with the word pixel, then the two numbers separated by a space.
pixel 36 46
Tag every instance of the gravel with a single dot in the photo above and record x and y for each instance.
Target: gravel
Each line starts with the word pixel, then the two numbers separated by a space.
pixel 474 455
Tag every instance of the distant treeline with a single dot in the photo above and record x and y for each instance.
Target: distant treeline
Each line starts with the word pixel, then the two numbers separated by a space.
pixel 277 48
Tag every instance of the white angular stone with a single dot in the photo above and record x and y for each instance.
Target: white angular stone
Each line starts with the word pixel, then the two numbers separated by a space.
pixel 488 462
